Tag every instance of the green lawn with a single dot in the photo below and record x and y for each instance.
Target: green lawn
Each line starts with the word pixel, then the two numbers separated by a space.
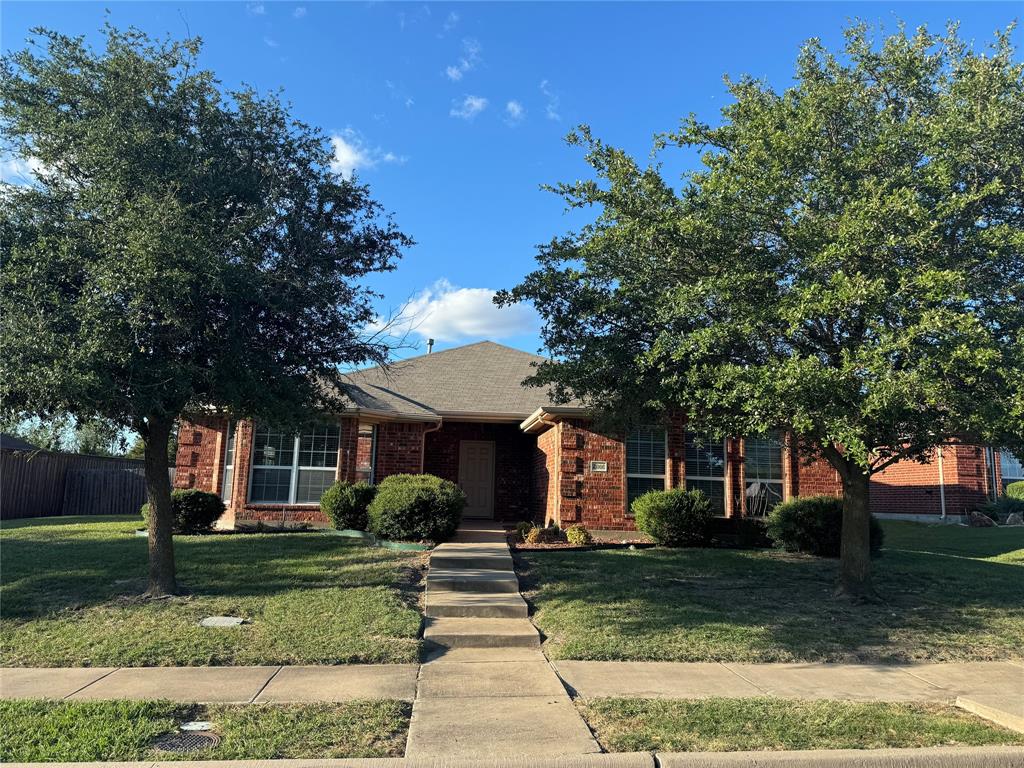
pixel 52 731
pixel 725 725
pixel 70 596
pixel 949 593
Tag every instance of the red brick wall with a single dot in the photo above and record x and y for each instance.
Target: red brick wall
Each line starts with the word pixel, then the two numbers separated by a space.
pixel 545 475
pixel 199 462
pixel 399 449
pixel 814 478
pixel 364 456
pixel 513 459
pixel 909 487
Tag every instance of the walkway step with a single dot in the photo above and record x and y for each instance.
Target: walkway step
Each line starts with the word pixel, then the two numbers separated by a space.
pixel 482 556
pixel 480 533
pixel 471 580
pixel 441 603
pixel 482 633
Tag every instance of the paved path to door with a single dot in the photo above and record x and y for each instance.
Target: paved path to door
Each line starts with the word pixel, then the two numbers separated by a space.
pixel 485 688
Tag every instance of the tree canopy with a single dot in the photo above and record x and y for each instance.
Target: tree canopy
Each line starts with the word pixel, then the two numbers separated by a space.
pixel 845 263
pixel 182 246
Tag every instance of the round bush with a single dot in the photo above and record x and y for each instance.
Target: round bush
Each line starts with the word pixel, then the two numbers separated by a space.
pixel 346 504
pixel 814 524
pixel 551 534
pixel 194 511
pixel 416 507
pixel 675 518
pixel 578 535
pixel 1015 490
pixel 522 529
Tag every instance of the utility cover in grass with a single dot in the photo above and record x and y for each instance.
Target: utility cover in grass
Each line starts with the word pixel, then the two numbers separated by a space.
pixel 221 621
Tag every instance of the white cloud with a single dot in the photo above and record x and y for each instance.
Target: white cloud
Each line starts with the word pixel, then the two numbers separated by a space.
pixel 450 22
pixel 448 313
pixel 271 42
pixel 468 108
pixel 256 9
pixel 514 112
pixel 468 60
pixel 351 152
pixel 299 13
pixel 551 108
pixel 18 171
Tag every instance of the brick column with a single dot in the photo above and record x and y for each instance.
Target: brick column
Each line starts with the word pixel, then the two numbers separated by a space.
pixel 347 448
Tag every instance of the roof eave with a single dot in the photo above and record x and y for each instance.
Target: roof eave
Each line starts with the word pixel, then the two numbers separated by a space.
pixel 536 421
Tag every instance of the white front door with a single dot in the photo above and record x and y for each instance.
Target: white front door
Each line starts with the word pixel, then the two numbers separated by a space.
pixel 476 477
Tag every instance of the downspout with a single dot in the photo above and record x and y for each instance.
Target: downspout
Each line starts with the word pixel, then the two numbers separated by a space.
pixel 423 440
pixel 942 485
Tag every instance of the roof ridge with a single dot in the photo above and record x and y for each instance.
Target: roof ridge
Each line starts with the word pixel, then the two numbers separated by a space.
pixel 442 352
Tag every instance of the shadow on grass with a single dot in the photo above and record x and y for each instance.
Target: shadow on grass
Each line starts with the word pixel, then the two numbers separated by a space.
pixel 731 605
pixel 51 566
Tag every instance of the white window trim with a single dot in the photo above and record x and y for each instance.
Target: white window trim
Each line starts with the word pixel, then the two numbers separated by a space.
pixel 294 484
pixel 229 444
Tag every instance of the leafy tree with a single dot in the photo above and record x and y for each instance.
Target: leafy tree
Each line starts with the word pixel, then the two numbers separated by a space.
pixel 66 434
pixel 845 263
pixel 137 449
pixel 181 248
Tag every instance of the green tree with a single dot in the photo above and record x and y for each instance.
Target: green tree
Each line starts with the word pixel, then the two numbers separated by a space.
pixel 181 248
pixel 845 263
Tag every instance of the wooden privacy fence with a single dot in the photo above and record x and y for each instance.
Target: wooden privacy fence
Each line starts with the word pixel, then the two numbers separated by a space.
pixel 42 483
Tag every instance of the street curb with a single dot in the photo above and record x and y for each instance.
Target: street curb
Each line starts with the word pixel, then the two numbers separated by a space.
pixel 929 757
pixel 619 760
pixel 1000 715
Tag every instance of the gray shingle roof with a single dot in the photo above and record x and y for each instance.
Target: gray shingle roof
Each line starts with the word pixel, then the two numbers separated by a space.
pixel 483 378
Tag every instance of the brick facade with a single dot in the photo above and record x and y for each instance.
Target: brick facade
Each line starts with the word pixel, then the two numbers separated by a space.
pixel 549 477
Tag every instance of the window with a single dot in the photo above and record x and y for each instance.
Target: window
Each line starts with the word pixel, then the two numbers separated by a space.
pixel 763 473
pixel 645 462
pixel 229 463
pixel 1011 467
pixel 293 470
pixel 705 469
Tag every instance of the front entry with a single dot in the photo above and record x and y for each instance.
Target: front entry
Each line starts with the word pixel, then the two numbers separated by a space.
pixel 476 477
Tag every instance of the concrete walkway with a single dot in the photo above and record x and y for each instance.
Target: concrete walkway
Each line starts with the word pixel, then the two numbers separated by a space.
pixel 485 689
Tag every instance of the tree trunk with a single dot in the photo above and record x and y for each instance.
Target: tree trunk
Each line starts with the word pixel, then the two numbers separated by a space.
pixel 855 547
pixel 161 518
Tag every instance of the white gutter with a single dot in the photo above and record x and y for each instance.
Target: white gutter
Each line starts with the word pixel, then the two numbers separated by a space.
pixel 942 485
pixel 537 417
pixel 423 443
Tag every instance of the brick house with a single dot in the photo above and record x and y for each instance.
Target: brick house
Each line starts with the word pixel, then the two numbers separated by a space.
pixel 463 414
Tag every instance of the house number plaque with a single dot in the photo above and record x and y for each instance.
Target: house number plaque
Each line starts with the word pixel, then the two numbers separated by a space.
pixel 599 466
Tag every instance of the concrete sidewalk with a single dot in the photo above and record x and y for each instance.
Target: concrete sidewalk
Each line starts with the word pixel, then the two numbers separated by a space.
pixel 856 682
pixel 207 685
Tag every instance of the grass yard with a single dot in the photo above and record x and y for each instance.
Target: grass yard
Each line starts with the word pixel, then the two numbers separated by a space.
pixel 52 731
pixel 70 596
pixel 726 725
pixel 949 594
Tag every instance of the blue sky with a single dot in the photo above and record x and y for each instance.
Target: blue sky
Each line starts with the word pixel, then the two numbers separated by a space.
pixel 454 113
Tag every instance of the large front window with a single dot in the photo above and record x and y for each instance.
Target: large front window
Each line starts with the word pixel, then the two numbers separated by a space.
pixel 645 461
pixel 705 469
pixel 293 469
pixel 763 473
pixel 1011 468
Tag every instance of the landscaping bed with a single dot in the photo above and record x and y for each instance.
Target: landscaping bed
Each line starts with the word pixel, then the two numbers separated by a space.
pixel 726 725
pixel 63 731
pixel 71 596
pixel 948 594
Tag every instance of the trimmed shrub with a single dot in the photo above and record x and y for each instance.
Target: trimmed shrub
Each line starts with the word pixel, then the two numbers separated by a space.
pixel 346 504
pixel 550 535
pixel 1015 490
pixel 1003 507
pixel 522 529
pixel 194 511
pixel 814 524
pixel 416 507
pixel 578 535
pixel 675 518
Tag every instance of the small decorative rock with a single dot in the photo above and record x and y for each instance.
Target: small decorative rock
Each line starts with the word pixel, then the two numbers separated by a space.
pixel 1015 518
pixel 221 621
pixel 978 520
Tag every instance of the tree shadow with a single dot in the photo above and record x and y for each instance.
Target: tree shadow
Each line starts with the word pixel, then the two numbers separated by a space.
pixel 707 605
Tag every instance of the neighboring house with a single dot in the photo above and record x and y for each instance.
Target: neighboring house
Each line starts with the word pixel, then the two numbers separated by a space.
pixel 463 414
